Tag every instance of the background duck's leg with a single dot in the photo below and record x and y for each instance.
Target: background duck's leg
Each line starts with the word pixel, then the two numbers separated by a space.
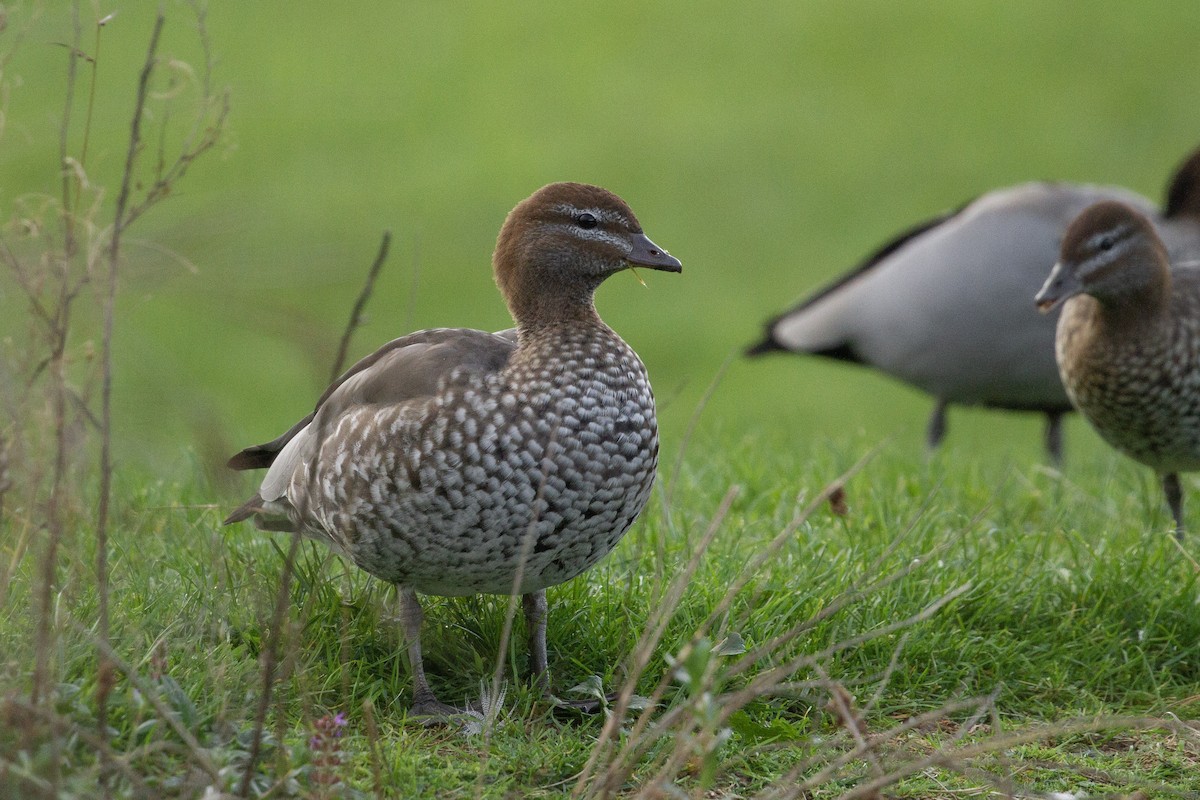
pixel 1174 493
pixel 535 624
pixel 1054 440
pixel 937 426
pixel 411 617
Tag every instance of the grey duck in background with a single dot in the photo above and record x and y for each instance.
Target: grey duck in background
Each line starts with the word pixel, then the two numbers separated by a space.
pixel 944 306
pixel 454 461
pixel 1128 341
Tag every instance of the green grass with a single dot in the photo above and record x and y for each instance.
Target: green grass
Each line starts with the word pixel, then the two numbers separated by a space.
pixel 769 149
pixel 1056 625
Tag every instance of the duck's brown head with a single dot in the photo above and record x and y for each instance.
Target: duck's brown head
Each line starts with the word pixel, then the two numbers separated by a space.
pixel 1112 253
pixel 560 243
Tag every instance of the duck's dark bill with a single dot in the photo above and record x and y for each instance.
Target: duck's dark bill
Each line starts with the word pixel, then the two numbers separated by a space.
pixel 646 253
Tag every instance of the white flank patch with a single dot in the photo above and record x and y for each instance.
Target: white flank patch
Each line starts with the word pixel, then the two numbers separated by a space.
pixel 278 477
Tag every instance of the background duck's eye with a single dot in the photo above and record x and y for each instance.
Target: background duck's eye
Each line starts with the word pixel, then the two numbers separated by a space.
pixel 1105 243
pixel 586 221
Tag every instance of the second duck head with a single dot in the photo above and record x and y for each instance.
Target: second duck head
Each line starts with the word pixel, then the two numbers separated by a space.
pixel 1111 253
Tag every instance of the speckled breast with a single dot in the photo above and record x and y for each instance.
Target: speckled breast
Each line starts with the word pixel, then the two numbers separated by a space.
pixel 538 469
pixel 1143 397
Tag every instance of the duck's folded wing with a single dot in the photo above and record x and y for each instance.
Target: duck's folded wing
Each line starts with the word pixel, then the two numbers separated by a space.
pixel 403 369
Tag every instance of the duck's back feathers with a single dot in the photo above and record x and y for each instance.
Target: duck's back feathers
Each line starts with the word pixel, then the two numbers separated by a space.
pixel 1179 225
pixel 401 370
pixel 405 370
pixel 414 367
pixel 1183 194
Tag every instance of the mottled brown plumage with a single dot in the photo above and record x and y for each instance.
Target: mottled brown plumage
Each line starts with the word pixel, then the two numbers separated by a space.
pixel 1128 340
pixel 454 461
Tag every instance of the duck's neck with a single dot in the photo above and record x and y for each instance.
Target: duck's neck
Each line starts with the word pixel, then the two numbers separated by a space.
pixel 1140 306
pixel 1128 324
pixel 553 312
pixel 570 323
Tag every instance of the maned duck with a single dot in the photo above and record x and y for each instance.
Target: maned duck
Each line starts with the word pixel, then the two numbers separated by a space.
pixel 453 461
pixel 944 306
pixel 1128 340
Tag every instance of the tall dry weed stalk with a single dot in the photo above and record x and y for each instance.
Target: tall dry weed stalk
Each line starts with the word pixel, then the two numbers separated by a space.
pixel 61 254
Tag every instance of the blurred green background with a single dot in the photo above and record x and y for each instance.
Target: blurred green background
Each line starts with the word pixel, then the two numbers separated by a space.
pixel 767 145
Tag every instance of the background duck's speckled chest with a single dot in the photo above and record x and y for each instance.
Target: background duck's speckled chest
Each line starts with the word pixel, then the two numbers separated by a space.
pixel 1141 392
pixel 550 459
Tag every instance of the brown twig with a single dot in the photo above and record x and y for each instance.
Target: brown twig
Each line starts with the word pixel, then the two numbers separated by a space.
pixel 600 781
pixel 356 312
pixel 64 727
pixel 954 757
pixel 373 743
pixel 5 476
pixel 786 786
pixel 66 270
pixel 104 668
pixel 64 130
pixel 200 141
pixel 58 325
pixel 270 660
pixel 151 695
pixel 25 282
pixel 842 706
pixel 91 105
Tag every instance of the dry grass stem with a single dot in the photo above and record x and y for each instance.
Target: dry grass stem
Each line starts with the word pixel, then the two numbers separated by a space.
pixel 957 757
pixel 64 727
pixel 194 749
pixel 270 658
pixel 655 628
pixel 697 726
pixel 368 709
pixel 360 304
pixel 104 685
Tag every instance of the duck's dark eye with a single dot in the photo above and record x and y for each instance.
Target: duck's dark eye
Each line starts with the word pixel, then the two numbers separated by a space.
pixel 586 221
pixel 1106 243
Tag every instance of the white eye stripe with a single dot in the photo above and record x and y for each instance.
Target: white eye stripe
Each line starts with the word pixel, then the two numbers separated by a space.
pixel 1115 235
pixel 602 214
pixel 597 235
pixel 1100 258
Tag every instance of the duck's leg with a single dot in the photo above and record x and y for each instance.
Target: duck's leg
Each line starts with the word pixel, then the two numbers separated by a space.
pixel 1054 439
pixel 1174 493
pixel 411 617
pixel 535 624
pixel 937 426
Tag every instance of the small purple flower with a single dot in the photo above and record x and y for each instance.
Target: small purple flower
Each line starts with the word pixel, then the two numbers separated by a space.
pixel 326 751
